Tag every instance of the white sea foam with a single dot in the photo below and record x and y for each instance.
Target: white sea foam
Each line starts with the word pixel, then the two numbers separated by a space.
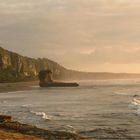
pixel 4 101
pixel 135 105
pixel 35 86
pixel 122 93
pixel 136 109
pixel 42 115
pixel 136 100
pixel 16 91
pixel 26 105
pixel 71 127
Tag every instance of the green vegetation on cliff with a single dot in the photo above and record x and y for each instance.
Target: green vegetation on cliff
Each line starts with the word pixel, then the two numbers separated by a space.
pixel 14 67
pixel 7 74
pixel 10 75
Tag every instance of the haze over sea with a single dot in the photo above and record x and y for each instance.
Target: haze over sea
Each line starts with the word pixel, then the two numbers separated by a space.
pixel 101 107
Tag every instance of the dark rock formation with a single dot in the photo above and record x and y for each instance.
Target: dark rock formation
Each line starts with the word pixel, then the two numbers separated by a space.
pixel 14 126
pixel 4 118
pixel 14 67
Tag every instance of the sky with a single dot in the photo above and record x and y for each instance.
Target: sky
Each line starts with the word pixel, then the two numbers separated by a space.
pixel 86 35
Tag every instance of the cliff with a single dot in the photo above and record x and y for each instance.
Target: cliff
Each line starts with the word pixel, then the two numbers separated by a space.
pixel 15 67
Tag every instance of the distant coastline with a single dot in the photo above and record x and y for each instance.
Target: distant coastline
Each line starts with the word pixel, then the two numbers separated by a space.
pixel 17 68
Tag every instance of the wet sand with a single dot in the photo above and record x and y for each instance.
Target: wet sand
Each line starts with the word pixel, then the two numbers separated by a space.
pixel 19 86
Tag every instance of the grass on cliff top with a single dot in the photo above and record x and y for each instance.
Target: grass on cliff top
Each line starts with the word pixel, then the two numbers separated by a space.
pixel 9 75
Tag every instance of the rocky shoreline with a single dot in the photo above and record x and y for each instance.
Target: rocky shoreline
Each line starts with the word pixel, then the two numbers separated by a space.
pixel 7 124
pixel 14 130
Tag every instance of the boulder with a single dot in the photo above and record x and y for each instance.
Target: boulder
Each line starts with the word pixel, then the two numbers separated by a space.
pixel 4 118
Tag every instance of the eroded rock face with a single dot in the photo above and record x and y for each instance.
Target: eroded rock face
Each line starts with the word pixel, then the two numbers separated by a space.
pixel 23 67
pixel 4 118
pixel 26 129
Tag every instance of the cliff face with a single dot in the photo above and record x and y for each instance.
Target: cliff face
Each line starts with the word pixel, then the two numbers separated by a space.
pixel 14 67
pixel 19 67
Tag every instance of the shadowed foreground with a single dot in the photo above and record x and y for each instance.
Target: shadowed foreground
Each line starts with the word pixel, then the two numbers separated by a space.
pixel 13 130
pixel 4 135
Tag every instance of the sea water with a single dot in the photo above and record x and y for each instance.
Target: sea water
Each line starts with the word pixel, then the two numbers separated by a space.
pixel 103 105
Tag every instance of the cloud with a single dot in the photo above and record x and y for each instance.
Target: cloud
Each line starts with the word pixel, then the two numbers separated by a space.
pixel 95 32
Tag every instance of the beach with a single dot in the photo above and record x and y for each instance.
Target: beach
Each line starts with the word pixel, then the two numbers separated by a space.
pixel 98 109
pixel 14 130
pixel 9 87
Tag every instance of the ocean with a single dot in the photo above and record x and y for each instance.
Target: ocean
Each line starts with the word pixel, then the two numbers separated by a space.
pixel 102 109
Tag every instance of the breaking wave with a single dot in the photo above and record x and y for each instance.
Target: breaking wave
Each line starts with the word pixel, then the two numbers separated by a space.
pixel 43 115
pixel 124 93
pixel 135 105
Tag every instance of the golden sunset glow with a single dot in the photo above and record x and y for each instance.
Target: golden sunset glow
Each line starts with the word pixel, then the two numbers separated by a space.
pixel 87 35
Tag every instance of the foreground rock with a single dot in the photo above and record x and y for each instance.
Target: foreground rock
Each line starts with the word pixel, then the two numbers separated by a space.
pixel 4 118
pixel 4 135
pixel 8 125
